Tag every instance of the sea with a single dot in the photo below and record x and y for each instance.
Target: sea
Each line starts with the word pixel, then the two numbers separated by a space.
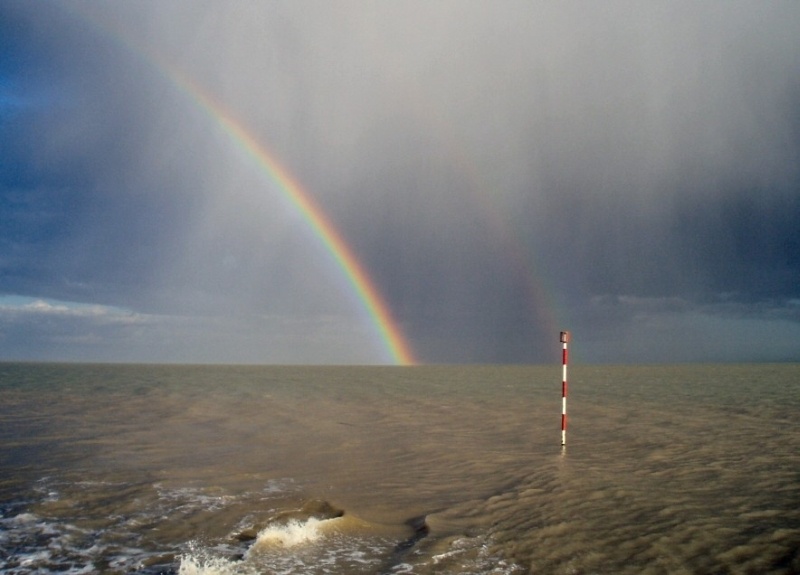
pixel 146 469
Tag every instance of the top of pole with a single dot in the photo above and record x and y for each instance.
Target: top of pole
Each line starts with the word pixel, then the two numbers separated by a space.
pixel 564 337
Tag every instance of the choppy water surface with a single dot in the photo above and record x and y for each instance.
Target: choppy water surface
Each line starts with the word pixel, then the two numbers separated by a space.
pixel 167 469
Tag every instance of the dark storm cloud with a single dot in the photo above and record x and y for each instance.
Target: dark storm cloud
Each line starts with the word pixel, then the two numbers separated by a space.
pixel 635 164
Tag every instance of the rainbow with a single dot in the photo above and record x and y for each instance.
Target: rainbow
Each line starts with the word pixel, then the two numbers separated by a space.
pixel 323 229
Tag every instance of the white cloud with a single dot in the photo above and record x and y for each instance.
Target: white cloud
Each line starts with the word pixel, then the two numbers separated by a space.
pixel 17 308
pixel 43 329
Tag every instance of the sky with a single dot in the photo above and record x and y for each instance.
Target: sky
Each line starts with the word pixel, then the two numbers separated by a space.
pixel 499 171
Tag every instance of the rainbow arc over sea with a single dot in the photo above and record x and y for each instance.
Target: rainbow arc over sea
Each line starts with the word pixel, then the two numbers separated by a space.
pixel 368 294
pixel 387 328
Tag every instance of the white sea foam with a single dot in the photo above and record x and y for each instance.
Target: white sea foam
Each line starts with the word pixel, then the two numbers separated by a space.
pixel 192 564
pixel 291 534
pixel 309 546
pixel 200 560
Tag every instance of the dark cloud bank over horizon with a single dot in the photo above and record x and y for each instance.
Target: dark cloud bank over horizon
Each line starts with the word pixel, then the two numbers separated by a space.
pixel 628 171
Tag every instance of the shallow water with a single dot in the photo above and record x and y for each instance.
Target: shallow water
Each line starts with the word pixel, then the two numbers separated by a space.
pixel 451 469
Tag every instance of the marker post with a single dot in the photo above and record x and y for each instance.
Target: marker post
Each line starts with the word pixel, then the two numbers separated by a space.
pixel 565 336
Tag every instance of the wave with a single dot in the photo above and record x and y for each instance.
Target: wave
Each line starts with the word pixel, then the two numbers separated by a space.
pixel 291 534
pixel 316 538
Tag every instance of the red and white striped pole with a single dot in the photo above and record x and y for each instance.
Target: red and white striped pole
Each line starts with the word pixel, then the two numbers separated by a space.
pixel 564 342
